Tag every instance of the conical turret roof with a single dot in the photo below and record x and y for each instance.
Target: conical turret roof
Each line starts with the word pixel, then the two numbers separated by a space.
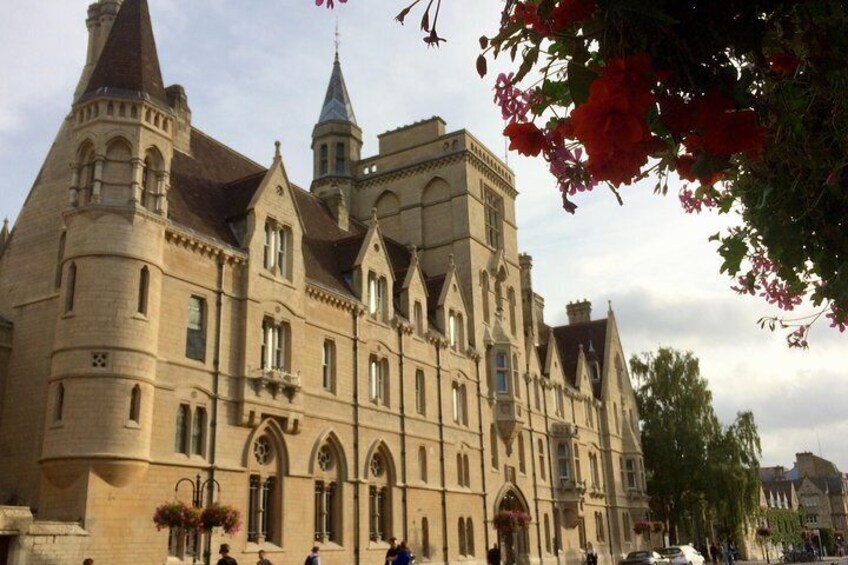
pixel 337 106
pixel 129 61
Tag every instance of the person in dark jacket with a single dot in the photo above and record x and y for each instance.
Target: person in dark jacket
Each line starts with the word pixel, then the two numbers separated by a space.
pixel 403 556
pixel 493 557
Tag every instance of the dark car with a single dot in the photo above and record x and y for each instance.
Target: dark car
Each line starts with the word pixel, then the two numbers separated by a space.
pixel 644 558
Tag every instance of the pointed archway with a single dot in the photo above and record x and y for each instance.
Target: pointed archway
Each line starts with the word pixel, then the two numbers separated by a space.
pixel 515 546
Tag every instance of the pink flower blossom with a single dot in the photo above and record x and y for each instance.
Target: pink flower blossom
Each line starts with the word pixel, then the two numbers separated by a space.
pixel 838 318
pixel 330 3
pixel 514 102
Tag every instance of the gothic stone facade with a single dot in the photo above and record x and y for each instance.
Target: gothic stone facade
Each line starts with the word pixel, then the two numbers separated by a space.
pixel 360 360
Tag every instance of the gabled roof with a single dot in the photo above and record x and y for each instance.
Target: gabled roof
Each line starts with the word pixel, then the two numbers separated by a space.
pixel 434 291
pixel 591 336
pixel 337 106
pixel 129 63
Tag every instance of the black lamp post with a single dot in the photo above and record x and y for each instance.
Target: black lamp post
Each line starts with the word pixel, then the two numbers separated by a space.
pixel 197 488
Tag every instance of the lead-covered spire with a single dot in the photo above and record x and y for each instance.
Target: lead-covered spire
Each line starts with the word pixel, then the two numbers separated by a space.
pixel 337 106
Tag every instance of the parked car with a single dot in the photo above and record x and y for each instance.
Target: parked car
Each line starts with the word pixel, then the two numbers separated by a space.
pixel 644 558
pixel 682 555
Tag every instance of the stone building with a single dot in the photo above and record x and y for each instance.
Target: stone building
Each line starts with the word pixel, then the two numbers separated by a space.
pixel 363 359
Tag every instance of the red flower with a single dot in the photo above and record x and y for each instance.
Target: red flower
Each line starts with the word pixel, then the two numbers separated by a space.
pixel 677 116
pixel 783 63
pixel 734 132
pixel 570 12
pixel 563 130
pixel 612 123
pixel 525 138
pixel 526 13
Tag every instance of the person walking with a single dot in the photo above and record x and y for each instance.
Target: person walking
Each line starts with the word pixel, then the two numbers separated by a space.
pixel 225 559
pixel 262 559
pixel 591 556
pixel 493 557
pixel 313 558
pixel 392 552
pixel 403 555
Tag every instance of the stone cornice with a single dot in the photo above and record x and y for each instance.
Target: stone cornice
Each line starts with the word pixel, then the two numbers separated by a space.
pixel 327 296
pixel 189 239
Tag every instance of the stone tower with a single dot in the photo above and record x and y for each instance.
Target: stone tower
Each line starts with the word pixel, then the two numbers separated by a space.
pixel 101 387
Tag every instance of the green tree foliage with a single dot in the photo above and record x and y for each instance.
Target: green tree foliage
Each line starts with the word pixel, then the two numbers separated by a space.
pixel 787 526
pixel 696 469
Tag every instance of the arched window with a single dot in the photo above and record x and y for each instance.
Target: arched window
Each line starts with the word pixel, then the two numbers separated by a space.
pixel 340 158
pixel 511 299
pixel 484 284
pixel 379 505
pixel 425 538
pixel 324 160
pixel 469 537
pixel 493 445
pixel 562 462
pixel 420 393
pixel 461 535
pixel 59 406
pixel 522 465
pixel 135 404
pixel 181 429
pixel 198 432
pixel 143 284
pixel 547 534
pixel 541 446
pixel 422 464
pixel 264 514
pixel 328 499
pixel 71 289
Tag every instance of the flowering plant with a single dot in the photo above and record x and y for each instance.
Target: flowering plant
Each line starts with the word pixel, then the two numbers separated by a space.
pixel 764 531
pixel 509 521
pixel 739 100
pixel 221 516
pixel 641 526
pixel 176 515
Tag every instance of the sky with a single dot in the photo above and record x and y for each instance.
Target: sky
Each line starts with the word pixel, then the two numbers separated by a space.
pixel 257 71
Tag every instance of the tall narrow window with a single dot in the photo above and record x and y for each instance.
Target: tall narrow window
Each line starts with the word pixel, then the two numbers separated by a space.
pixel 71 290
pixel 469 536
pixel 340 158
pixel 59 406
pixel 425 538
pixel 135 404
pixel 516 378
pixel 510 294
pixel 196 329
pixel 327 496
pixel 198 428
pixel 562 461
pixel 494 208
pixel 541 446
pixel 578 474
pixel 626 520
pixel 418 313
pixel 501 372
pixel 59 259
pixel 377 376
pixel 484 284
pixel 460 473
pixel 422 464
pixel 420 394
pixel 461 536
pixel 493 445
pixel 325 159
pixel 284 252
pixel 143 284
pixel 547 534
pixel 328 367
pixel 274 354
pixel 269 246
pixel 181 429
pixel 631 474
pixel 455 402
pixel 453 330
pixel 537 396
pixel 466 470
pixel 522 465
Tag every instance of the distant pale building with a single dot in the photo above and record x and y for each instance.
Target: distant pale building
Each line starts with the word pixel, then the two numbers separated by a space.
pixel 363 360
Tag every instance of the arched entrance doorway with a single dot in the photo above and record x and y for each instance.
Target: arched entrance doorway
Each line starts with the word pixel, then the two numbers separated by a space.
pixel 515 543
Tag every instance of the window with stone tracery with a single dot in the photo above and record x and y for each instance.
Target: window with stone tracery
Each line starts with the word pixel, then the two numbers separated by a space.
pixel 379 498
pixel 328 499
pixel 264 513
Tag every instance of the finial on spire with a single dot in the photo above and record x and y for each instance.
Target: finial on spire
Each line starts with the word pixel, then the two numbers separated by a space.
pixel 451 261
pixel 374 216
pixel 277 149
pixel 337 41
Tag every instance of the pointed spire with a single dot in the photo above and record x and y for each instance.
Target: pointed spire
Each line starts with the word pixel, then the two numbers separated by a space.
pixel 129 61
pixel 337 106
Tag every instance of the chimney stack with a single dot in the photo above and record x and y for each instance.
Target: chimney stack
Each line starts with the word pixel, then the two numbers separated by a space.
pixel 334 198
pixel 579 312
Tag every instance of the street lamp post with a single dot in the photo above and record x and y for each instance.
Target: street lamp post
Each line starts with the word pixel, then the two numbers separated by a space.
pixel 197 488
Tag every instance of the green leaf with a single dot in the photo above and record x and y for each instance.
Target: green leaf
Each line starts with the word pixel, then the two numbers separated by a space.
pixel 579 79
pixel 733 250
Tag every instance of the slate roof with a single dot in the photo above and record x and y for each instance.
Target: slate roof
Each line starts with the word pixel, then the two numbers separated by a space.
pixel 337 106
pixel 128 63
pixel 591 335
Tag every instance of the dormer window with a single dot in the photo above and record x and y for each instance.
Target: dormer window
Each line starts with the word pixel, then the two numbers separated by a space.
pixel 418 317
pixel 377 291
pixel 455 337
pixel 278 249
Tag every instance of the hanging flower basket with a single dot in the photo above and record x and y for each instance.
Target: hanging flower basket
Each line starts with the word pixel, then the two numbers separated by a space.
pixel 176 515
pixel 511 521
pixel 641 526
pixel 221 516
pixel 764 531
pixel 657 527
